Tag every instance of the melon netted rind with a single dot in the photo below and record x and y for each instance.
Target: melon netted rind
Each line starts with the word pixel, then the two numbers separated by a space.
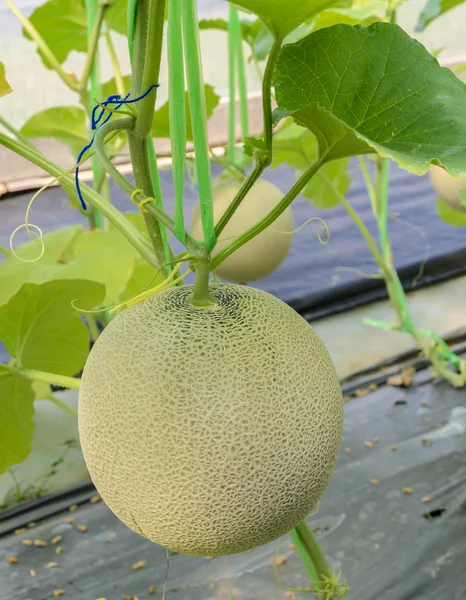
pixel 264 253
pixel 210 431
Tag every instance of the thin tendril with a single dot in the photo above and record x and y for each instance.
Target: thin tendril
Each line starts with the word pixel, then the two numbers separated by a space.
pixel 324 228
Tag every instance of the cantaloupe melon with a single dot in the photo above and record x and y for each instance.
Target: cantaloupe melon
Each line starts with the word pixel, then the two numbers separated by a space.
pixel 210 430
pixel 447 187
pixel 262 255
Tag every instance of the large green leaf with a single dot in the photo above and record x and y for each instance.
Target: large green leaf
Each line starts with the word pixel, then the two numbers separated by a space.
pixel 281 16
pixel 161 124
pixel 72 253
pixel 41 329
pixel 448 214
pixel 16 412
pixel 62 24
pixel 365 89
pixel 434 9
pixel 297 147
pixel 5 87
pixel 64 123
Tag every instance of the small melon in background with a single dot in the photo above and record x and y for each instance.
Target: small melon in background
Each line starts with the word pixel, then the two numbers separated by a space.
pixel 262 255
pixel 447 187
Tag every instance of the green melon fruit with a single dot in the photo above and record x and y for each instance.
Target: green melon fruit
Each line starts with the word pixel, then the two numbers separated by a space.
pixel 447 187
pixel 211 430
pixel 262 255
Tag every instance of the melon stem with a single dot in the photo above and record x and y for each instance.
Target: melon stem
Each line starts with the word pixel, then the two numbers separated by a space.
pixel 311 554
pixel 200 295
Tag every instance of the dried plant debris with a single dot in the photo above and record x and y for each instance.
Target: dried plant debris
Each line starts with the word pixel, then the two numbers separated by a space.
pixel 139 565
pixel 403 379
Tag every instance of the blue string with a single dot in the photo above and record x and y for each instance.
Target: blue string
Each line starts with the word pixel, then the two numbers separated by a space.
pixel 97 121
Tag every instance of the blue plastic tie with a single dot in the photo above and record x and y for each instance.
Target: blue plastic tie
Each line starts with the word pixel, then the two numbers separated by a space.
pixel 97 121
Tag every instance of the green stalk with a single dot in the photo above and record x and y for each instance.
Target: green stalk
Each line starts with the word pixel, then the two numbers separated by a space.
pixel 242 85
pixel 197 105
pixel 125 124
pixel 304 556
pixel 147 56
pixel 270 218
pixel 4 251
pixel 51 378
pixel 18 135
pixel 147 53
pixel 231 86
pixel 130 232
pixel 63 405
pixel 43 46
pixel 94 15
pixel 265 158
pixel 320 571
pixel 201 296
pixel 93 327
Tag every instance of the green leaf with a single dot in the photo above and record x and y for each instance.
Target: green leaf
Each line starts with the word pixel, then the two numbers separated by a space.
pixel 115 16
pixel 434 9
pixel 361 90
pixel 251 144
pixel 297 147
pixel 282 17
pixel 41 329
pixel 64 123
pixel 5 87
pixel 447 213
pixel 161 125
pixel 364 14
pixel 72 253
pixel 16 412
pixel 62 24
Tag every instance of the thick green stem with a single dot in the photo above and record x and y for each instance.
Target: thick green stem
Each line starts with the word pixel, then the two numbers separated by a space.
pixel 51 378
pixel 94 16
pixel 270 218
pixel 314 552
pixel 18 135
pixel 265 158
pixel 63 405
pixel 130 232
pixel 4 251
pixel 125 124
pixel 43 46
pixel 147 56
pixel 200 296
